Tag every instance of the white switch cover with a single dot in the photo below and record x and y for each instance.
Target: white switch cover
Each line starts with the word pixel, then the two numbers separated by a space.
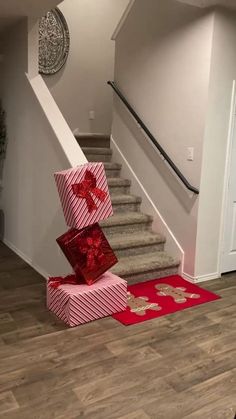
pixel 190 153
pixel 91 115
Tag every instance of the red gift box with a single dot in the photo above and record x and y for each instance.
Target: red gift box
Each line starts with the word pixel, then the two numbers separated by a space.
pixel 88 252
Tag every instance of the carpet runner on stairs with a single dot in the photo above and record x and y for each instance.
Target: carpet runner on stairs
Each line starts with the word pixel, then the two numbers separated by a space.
pixel 140 251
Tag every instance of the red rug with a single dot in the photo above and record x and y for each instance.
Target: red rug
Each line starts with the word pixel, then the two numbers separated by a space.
pixel 160 297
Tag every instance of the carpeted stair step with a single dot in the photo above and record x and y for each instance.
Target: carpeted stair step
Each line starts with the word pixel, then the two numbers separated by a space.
pixel 118 186
pixel 136 243
pixel 148 266
pixel 100 154
pixel 112 169
pixel 140 251
pixel 93 140
pixel 124 203
pixel 127 222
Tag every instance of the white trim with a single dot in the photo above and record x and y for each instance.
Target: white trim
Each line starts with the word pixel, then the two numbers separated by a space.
pixel 201 278
pixel 226 178
pixel 122 19
pixel 57 122
pixel 178 250
pixel 25 258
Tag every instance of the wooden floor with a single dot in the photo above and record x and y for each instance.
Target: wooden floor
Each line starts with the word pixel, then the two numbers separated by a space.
pixel 175 367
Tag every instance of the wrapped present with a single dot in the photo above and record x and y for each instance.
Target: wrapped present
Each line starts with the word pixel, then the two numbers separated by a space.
pixel 88 252
pixel 78 304
pixel 57 281
pixel 84 195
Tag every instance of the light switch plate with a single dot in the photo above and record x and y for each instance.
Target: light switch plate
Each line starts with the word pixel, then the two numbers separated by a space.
pixel 91 115
pixel 190 153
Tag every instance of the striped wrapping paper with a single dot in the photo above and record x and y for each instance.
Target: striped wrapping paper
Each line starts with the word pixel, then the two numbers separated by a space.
pixel 75 209
pixel 79 304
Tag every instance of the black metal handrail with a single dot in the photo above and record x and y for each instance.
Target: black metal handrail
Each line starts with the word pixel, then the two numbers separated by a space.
pixel 153 139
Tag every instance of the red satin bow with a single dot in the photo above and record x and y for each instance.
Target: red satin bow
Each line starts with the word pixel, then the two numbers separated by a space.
pixel 59 280
pixel 91 247
pixel 86 188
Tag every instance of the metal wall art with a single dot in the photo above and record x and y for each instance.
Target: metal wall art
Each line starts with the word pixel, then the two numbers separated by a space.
pixel 54 42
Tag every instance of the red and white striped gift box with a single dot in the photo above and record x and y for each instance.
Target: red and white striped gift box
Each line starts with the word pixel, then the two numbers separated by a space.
pixel 75 206
pixel 79 304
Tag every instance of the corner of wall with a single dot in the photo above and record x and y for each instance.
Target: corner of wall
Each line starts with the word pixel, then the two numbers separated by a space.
pixel 122 19
pixel 216 147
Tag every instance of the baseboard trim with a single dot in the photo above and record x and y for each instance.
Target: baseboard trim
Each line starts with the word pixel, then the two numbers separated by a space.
pixel 25 258
pixel 201 278
pixel 190 278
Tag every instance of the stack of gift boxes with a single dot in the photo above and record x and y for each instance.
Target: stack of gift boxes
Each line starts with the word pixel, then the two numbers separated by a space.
pixel 92 292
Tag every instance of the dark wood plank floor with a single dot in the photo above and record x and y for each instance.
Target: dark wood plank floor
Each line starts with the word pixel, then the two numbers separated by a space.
pixel 182 366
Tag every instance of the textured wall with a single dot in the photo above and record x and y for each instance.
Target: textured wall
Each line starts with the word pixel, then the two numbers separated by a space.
pixel 32 211
pixel 81 85
pixel 223 72
pixel 162 65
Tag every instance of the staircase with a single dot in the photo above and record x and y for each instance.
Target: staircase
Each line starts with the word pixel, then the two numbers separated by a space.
pixel 140 251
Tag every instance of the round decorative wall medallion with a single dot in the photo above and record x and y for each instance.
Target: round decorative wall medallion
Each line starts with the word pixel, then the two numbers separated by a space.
pixel 54 42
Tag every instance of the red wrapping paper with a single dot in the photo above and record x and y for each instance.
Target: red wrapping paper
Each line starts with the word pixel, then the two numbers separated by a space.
pixel 88 252
pixel 57 281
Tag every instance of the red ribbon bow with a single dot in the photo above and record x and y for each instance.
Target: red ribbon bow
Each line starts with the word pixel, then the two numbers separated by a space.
pixel 59 280
pixel 91 247
pixel 86 188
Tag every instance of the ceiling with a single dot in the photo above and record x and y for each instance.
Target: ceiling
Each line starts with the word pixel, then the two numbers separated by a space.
pixel 231 4
pixel 5 22
pixel 12 10
pixel 19 8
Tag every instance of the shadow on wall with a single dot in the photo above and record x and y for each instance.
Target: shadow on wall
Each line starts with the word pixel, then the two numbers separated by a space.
pixel 46 240
pixel 2 224
pixel 185 197
pixel 3 148
pixel 2 217
pixel 53 79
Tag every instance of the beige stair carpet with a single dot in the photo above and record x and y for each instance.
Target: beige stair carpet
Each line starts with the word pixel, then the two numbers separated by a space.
pixel 140 251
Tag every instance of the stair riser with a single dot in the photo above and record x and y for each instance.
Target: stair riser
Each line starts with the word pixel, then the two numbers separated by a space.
pixel 93 142
pixel 119 190
pixel 128 228
pixel 98 157
pixel 139 250
pixel 113 173
pixel 141 253
pixel 126 207
pixel 147 276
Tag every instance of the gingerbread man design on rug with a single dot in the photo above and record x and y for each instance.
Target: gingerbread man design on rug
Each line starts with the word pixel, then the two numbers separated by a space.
pixel 139 305
pixel 179 294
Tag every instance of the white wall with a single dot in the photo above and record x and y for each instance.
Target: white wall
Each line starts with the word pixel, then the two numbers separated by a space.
pixel 81 85
pixel 223 72
pixel 33 215
pixel 163 55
